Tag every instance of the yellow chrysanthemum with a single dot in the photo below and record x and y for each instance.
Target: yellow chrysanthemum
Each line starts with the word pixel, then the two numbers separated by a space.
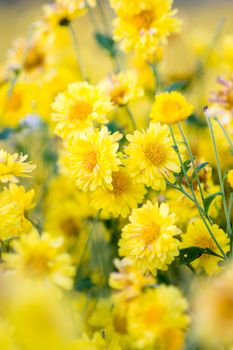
pixel 15 202
pixel 149 239
pixel 93 158
pixel 62 12
pixel 41 257
pixel 76 109
pixel 158 319
pixel 98 342
pixel 123 88
pixel 197 235
pixel 13 166
pixel 230 179
pixel 144 26
pixel 128 281
pixel 152 158
pixel 121 198
pixel 170 107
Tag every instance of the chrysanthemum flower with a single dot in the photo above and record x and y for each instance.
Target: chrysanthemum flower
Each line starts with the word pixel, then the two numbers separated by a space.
pixel 149 238
pixel 41 257
pixel 128 281
pixel 170 107
pixel 124 195
pixel 13 166
pixel 93 158
pixel 152 158
pixel 9 217
pixel 62 12
pixel 123 88
pixel 144 26
pixel 158 319
pixel 197 235
pixel 75 110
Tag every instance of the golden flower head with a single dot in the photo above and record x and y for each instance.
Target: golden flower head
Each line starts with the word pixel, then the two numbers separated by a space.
pixel 41 257
pixel 152 158
pixel 144 26
pixel 158 319
pixel 149 238
pixel 197 235
pixel 13 166
pixel 93 158
pixel 170 107
pixel 77 109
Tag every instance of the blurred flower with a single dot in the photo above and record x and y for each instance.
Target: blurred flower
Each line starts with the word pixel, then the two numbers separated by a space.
pixel 152 158
pixel 197 235
pixel 230 179
pixel 13 166
pixel 170 107
pixel 149 239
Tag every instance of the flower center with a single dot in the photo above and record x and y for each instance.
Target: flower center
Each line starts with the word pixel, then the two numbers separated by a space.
pixel 144 19
pixel 120 183
pixel 154 152
pixel 35 59
pixel 37 265
pixel 15 102
pixel 153 315
pixel 90 160
pixel 150 233
pixel 69 227
pixel 80 111
pixel 120 323
pixel 117 94
pixel 205 242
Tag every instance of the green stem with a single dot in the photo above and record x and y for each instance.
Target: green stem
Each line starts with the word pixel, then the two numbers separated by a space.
pixel 103 16
pixel 158 83
pixel 78 53
pixel 229 231
pixel 225 132
pixel 131 117
pixel 192 161
pixel 201 212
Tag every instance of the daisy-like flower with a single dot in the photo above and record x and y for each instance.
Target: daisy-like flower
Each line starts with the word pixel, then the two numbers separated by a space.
pixel 170 107
pixel 143 26
pixel 158 319
pixel 149 238
pixel 123 88
pixel 75 110
pixel 41 257
pixel 152 158
pixel 9 217
pixel 128 281
pixel 62 12
pixel 13 166
pixel 119 200
pixel 93 158
pixel 197 235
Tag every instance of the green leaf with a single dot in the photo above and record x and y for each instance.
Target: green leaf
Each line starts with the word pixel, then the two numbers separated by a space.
pixel 188 255
pixel 208 200
pixel 178 86
pixel 5 133
pixel 107 43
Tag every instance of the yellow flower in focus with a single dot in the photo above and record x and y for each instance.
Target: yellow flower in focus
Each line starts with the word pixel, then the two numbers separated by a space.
pixel 93 158
pixel 76 110
pixel 197 235
pixel 128 281
pixel 42 258
pixel 158 319
pixel 62 12
pixel 170 107
pixel 13 166
pixel 149 238
pixel 123 88
pixel 230 179
pixel 152 158
pixel 121 198
pixel 144 26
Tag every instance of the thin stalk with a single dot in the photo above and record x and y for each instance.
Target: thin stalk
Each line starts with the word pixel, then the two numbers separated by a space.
pixel 103 16
pixel 225 132
pixel 229 230
pixel 131 117
pixel 156 77
pixel 192 161
pixel 201 212
pixel 78 52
